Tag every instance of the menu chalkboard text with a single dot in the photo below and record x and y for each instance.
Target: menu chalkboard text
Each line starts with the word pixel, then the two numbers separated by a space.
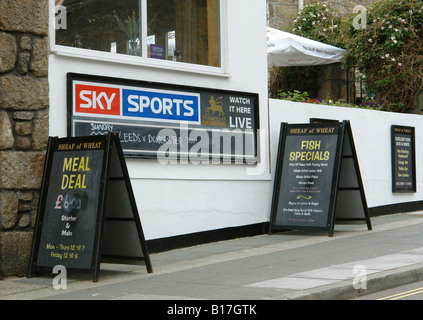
pixel 72 209
pixel 307 175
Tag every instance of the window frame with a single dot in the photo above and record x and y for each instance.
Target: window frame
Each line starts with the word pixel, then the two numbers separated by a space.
pixel 144 61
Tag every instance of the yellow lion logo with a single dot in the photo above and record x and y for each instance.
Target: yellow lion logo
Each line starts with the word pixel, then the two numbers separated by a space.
pixel 215 106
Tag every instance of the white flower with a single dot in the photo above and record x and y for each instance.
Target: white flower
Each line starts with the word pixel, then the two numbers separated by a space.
pixel 387 55
pixel 370 40
pixel 400 64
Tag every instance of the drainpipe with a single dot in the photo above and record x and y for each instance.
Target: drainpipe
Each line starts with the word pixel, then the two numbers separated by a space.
pixel 300 5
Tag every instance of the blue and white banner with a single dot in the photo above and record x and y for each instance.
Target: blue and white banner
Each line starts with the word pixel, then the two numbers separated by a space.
pixel 161 105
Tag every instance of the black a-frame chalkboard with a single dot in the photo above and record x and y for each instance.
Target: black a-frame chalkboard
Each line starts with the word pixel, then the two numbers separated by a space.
pixel 317 178
pixel 403 146
pixel 87 212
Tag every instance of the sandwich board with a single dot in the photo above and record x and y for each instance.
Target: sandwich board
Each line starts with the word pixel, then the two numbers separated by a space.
pixel 317 179
pixel 87 212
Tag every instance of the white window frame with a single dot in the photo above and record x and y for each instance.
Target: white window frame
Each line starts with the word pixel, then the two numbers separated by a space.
pixel 144 61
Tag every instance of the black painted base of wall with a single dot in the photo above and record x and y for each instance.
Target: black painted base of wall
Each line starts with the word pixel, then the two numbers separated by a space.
pixel 187 240
pixel 193 239
pixel 403 207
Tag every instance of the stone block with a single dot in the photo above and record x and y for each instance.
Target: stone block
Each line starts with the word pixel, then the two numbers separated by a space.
pixel 8 52
pixel 39 61
pixel 25 16
pixel 26 43
pixel 15 250
pixel 23 115
pixel 25 196
pixel 23 62
pixel 25 220
pixel 8 209
pixel 23 128
pixel 6 134
pixel 21 170
pixel 24 93
pixel 40 131
pixel 23 143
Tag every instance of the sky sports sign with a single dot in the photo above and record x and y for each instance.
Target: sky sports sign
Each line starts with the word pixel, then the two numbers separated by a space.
pixel 135 103
pixel 160 120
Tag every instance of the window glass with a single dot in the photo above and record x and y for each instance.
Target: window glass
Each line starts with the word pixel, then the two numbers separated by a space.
pixel 177 30
pixel 184 30
pixel 103 25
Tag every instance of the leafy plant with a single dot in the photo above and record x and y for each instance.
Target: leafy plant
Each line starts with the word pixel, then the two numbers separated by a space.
pixel 303 97
pixel 387 52
pixel 318 21
pixel 296 96
pixel 130 27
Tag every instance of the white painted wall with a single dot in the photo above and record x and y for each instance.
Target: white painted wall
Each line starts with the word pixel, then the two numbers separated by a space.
pixel 181 199
pixel 372 137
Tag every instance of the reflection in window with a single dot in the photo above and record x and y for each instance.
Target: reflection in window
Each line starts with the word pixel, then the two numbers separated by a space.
pixel 102 25
pixel 177 30
pixel 184 30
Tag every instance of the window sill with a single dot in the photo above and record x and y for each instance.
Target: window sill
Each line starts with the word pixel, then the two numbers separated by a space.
pixel 137 61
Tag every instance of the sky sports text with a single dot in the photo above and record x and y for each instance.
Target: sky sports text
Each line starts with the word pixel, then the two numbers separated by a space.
pixel 146 104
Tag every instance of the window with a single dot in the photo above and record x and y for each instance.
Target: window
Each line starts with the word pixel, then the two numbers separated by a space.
pixel 175 30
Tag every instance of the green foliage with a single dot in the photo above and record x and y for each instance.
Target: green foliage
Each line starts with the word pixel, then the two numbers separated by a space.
pixel 303 97
pixel 387 52
pixel 296 96
pixel 318 21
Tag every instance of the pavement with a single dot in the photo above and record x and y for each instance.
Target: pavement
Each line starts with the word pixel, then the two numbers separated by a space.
pixel 290 265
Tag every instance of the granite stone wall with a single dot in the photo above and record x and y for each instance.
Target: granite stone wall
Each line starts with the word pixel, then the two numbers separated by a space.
pixel 24 123
pixel 283 12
